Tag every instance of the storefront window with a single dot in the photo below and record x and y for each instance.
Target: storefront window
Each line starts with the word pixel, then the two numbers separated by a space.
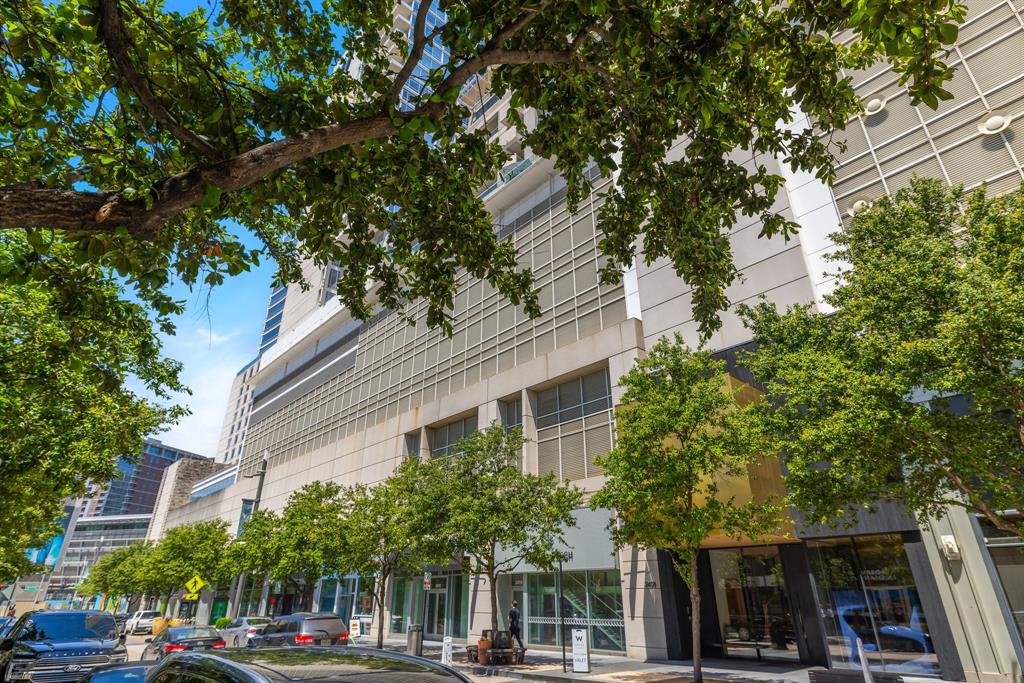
pixel 1007 553
pixel 592 599
pixel 753 607
pixel 328 587
pixel 867 590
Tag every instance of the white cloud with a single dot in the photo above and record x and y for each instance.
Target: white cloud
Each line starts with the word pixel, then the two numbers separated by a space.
pixel 210 365
pixel 207 337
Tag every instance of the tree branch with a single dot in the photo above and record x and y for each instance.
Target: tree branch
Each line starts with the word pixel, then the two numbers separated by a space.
pixel 117 42
pixel 419 42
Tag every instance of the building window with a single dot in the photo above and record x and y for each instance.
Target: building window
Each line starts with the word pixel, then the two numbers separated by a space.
pixel 1007 553
pixel 574 426
pixel 330 288
pixel 412 446
pixel 511 413
pixel 444 440
pixel 867 590
pixel 589 598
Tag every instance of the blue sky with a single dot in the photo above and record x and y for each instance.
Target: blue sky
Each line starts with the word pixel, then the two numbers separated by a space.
pixel 218 334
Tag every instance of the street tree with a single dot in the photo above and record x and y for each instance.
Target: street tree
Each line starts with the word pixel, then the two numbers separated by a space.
pixel 255 552
pixel 310 542
pixel 118 573
pixel 67 409
pixel 912 390
pixel 388 534
pixel 143 140
pixel 194 549
pixel 679 431
pixel 498 516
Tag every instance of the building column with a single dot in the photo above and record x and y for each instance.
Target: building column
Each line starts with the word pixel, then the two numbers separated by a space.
pixel 967 599
pixel 530 449
pixel 643 603
pixel 264 598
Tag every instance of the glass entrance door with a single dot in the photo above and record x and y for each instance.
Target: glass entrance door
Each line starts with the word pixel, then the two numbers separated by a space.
pixel 437 602
pixel 754 615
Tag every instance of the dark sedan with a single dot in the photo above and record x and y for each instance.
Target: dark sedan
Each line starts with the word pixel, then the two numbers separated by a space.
pixel 182 639
pixel 285 665
pixel 59 646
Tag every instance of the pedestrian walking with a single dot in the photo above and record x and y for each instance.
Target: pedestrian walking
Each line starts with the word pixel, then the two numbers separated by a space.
pixel 513 623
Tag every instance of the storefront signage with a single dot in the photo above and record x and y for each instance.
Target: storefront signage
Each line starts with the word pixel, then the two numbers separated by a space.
pixel 354 628
pixel 580 651
pixel 446 651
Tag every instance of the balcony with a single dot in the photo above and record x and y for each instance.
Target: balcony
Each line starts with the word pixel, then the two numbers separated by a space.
pixel 507 175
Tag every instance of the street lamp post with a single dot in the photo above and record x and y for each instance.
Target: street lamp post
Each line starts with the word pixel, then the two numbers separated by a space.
pixel 260 475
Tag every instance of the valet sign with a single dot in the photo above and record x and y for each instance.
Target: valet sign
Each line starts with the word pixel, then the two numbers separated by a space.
pixel 580 651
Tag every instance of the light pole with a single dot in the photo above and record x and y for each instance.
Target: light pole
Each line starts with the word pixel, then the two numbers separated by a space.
pixel 260 475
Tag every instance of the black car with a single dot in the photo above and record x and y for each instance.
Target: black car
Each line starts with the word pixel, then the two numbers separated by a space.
pixel 302 629
pixel 289 664
pixel 182 639
pixel 5 623
pixel 58 646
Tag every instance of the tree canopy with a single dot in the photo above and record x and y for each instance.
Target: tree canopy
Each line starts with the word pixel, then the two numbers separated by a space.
pixel 388 532
pixel 136 138
pixel 498 516
pixel 120 572
pixel 67 413
pixel 912 391
pixel 186 551
pixel 680 431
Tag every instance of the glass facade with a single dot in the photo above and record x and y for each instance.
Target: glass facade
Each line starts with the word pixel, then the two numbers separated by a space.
pixel 589 598
pixel 754 614
pixel 1007 552
pixel 446 604
pixel 866 590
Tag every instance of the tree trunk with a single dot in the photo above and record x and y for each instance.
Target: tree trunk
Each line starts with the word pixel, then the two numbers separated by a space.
pixel 382 580
pixel 698 676
pixel 492 577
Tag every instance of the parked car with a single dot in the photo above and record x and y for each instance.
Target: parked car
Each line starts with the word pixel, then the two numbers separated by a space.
pixel 302 628
pixel 58 646
pixel 141 621
pixel 182 639
pixel 238 632
pixel 287 665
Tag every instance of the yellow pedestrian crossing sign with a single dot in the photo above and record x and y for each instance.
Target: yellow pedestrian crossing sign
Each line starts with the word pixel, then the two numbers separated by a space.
pixel 195 584
pixel 190 597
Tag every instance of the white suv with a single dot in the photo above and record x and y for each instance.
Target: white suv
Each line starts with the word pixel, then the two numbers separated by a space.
pixel 141 621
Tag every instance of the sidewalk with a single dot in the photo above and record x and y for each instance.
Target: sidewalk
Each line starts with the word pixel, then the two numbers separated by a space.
pixel 546 665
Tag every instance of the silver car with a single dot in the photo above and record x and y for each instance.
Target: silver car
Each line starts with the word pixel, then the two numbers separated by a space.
pixel 241 629
pixel 141 621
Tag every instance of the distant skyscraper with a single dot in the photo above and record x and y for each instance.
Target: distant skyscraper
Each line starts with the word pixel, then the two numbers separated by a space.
pixel 134 492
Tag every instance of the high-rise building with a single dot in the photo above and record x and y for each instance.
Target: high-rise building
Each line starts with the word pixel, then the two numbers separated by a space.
pixel 134 491
pixel 113 516
pixel 344 400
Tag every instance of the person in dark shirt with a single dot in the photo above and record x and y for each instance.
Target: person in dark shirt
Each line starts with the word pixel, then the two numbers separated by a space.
pixel 513 623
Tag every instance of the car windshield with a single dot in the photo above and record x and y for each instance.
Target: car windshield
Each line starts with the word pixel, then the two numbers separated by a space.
pixel 150 615
pixel 68 627
pixel 128 674
pixel 257 620
pixel 190 632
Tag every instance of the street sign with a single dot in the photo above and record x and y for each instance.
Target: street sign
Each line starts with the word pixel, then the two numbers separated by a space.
pixel 446 651
pixel 580 651
pixel 195 584
pixel 426 581
pixel 190 597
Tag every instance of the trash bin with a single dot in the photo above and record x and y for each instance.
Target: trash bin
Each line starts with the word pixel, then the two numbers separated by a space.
pixel 414 640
